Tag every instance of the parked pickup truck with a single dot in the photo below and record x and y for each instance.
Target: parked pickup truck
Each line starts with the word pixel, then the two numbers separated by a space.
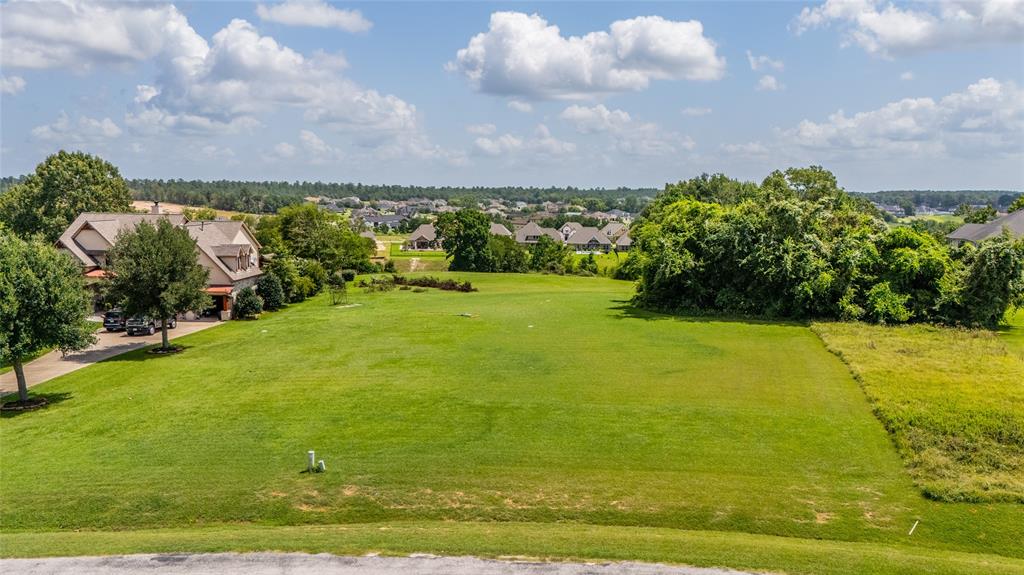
pixel 141 324
pixel 114 320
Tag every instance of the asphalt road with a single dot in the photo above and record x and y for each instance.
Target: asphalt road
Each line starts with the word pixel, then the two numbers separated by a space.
pixel 302 564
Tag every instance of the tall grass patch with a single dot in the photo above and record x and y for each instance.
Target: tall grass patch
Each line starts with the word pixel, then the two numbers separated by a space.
pixel 952 399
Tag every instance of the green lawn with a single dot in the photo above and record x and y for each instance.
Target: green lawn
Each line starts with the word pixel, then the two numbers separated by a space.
pixel 553 402
pixel 604 261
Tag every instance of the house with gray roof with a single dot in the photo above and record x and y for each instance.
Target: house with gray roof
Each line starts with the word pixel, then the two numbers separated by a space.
pixel 589 240
pixel 975 233
pixel 423 238
pixel 623 243
pixel 614 229
pixel 226 248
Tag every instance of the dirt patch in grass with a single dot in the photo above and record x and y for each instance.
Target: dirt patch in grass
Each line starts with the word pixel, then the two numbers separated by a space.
pixel 952 400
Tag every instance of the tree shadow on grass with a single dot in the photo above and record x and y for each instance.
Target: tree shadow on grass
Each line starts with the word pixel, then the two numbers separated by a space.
pixel 143 353
pixel 52 399
pixel 627 310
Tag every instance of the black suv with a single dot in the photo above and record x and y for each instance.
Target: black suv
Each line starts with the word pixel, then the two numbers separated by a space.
pixel 141 324
pixel 114 320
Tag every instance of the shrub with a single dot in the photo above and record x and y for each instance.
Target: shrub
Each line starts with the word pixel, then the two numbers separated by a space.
pixel 316 273
pixel 389 267
pixel 429 281
pixel 386 283
pixel 350 275
pixel 302 289
pixel 269 288
pixel 248 305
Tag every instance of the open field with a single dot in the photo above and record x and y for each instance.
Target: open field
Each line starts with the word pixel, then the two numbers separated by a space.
pixel 604 261
pixel 934 218
pixel 417 261
pixel 172 208
pixel 554 420
pixel 953 399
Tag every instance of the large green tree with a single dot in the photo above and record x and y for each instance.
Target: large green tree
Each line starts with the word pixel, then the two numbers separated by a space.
pixel 306 231
pixel 43 303
pixel 155 271
pixel 62 187
pixel 465 236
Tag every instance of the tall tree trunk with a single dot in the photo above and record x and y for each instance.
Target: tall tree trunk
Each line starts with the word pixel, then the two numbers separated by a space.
pixel 163 333
pixel 19 372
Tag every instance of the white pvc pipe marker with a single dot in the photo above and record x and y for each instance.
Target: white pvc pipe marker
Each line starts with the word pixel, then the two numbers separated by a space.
pixel 312 460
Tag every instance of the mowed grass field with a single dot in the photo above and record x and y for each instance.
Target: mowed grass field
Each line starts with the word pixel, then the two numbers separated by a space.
pixel 539 416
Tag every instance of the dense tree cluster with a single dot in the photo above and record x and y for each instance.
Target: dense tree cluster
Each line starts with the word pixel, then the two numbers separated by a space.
pixel 798 246
pixel 307 246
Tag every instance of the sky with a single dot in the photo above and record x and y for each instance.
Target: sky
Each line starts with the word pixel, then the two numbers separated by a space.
pixel 886 95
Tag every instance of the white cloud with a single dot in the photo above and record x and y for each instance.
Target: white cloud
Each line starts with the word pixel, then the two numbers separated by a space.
pixel 769 83
pixel 907 76
pixel 317 149
pixel 313 13
pixel 524 55
pixel 213 152
pixel 540 147
pixel 85 130
pixel 222 86
pixel 747 149
pixel 11 84
pixel 481 129
pixel 79 35
pixel 628 136
pixel 986 118
pixel 763 62
pixel 695 111
pixel 519 106
pixel 888 30
pixel 285 150
pixel 242 74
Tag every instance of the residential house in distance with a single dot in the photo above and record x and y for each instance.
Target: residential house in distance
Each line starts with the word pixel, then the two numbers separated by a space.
pixel 385 222
pixel 614 229
pixel 974 233
pixel 228 249
pixel 570 228
pixel 531 234
pixel 500 230
pixel 589 240
pixel 623 243
pixel 423 238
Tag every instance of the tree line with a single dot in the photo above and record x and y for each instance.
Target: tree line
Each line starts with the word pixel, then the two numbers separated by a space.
pixel 942 199
pixel 798 246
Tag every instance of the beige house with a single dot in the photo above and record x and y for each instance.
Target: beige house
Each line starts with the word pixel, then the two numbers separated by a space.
pixel 227 249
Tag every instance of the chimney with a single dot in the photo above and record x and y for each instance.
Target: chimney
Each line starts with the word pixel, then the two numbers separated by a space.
pixel 155 210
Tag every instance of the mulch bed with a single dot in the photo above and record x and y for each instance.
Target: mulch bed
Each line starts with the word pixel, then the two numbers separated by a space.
pixel 170 351
pixel 27 405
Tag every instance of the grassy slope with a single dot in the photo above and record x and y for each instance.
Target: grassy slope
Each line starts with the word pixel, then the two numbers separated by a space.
pixel 597 414
pixel 953 399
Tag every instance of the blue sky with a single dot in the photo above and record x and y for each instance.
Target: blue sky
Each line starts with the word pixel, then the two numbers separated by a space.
pixel 585 94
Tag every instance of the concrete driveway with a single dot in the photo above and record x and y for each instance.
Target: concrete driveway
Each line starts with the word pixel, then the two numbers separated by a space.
pixel 108 344
pixel 302 564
